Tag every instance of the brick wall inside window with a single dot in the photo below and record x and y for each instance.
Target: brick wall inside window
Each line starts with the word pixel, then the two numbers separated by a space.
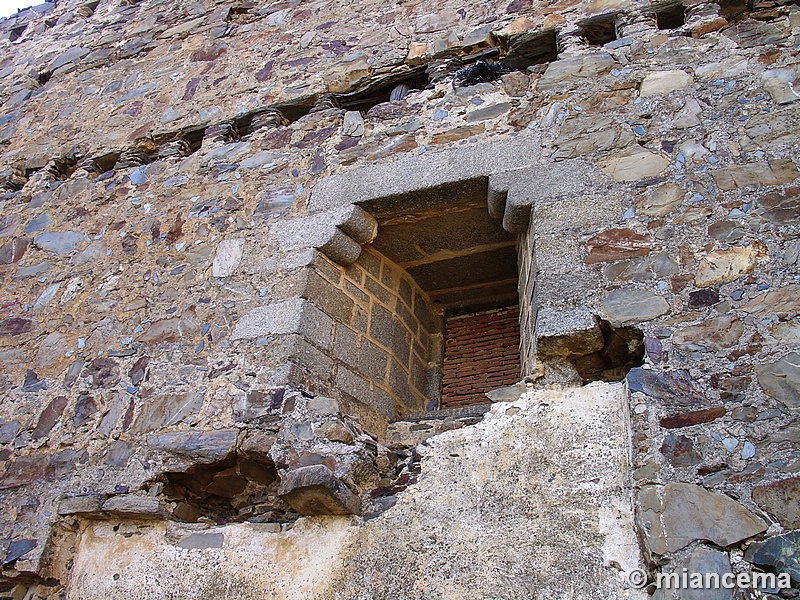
pixel 481 354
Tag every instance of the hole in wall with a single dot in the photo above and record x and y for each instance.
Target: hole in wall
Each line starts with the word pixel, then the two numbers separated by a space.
pixel 87 10
pixel 384 89
pixel 235 489
pixel 240 14
pixel 525 51
pixel 16 32
pixel 599 30
pixel 672 16
pixel 623 349
pixel 735 10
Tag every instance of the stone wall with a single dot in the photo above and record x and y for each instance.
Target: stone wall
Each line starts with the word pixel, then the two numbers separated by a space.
pixel 386 340
pixel 185 186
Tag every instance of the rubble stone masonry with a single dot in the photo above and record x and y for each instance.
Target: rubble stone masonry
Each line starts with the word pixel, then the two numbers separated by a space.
pixel 238 241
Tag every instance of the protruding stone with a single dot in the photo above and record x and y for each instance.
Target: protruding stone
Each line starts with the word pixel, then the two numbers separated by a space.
pixel 677 514
pixel 228 257
pixel 660 200
pixel 200 446
pixel 676 388
pixel 565 333
pixel 81 505
pixel 780 83
pixel 679 451
pixel 694 417
pixel 315 490
pixel 702 560
pixel 616 244
pixel 353 125
pixel 358 225
pixel 59 242
pixel 781 552
pixel 782 207
pixel 133 505
pixel 782 300
pixel 569 71
pixel 777 171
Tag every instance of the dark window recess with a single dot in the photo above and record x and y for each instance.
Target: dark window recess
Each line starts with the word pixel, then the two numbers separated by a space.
pixel 735 10
pixel 623 349
pixel 527 50
pixel 44 77
pixel 481 353
pixel 599 30
pixel 236 489
pixel 672 16
pixel 465 264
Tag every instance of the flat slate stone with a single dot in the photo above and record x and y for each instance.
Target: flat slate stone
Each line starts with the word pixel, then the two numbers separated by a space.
pixel 133 505
pixel 630 305
pixel 781 552
pixel 711 335
pixel 81 505
pixel 203 541
pixel 677 514
pixel 781 379
pixel 701 560
pixel 782 300
pixel 659 201
pixel 663 82
pixel 17 549
pixel 203 446
pixel 59 242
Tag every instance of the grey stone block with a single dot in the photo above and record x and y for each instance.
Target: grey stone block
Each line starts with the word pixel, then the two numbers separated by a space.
pixel 565 333
pixel 132 505
pixel 358 224
pixel 316 326
pixel 203 541
pixel 315 490
pixel 273 319
pixel 81 505
pixel 202 446
pixel 425 172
